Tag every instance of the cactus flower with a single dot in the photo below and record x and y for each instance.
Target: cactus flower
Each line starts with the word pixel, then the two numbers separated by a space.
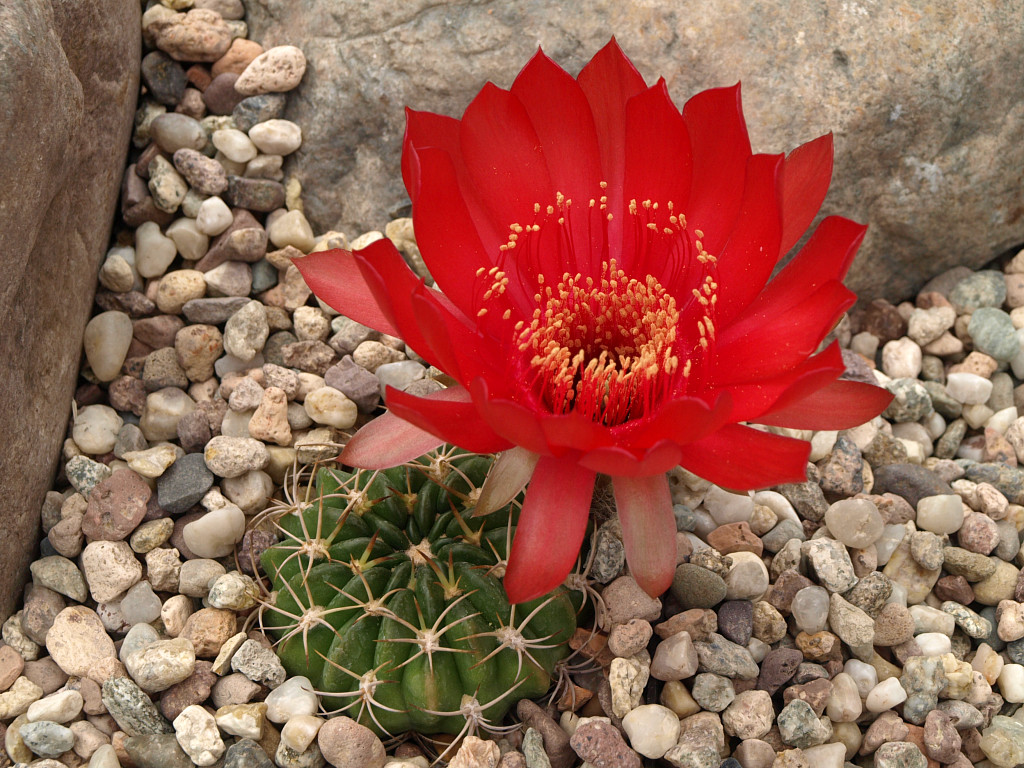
pixel 606 304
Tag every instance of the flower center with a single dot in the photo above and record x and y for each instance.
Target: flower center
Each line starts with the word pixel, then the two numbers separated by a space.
pixel 604 348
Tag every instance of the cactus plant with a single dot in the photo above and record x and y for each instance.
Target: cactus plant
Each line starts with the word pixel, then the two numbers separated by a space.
pixel 386 595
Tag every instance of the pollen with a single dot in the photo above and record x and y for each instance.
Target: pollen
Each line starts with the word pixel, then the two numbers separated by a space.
pixel 605 348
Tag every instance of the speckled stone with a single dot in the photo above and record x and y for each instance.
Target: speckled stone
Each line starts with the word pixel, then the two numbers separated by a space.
pixel 697 587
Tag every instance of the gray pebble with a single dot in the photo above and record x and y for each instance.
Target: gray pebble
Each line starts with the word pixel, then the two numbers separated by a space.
pixel 61 575
pixel 993 333
pixel 785 530
pixel 84 474
pixel 259 664
pixel 358 384
pixel 46 738
pixel 133 710
pixel 264 276
pixel 726 658
pixel 246 753
pixel 910 401
pixel 184 483
pixel 212 311
pixel 258 109
pixel 986 288
pixel 609 555
pixel 157 750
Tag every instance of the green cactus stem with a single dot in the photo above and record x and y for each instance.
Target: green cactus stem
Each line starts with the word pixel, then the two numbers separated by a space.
pixel 386 595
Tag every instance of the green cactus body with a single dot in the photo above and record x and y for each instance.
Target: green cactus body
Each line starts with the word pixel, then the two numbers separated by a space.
pixel 387 596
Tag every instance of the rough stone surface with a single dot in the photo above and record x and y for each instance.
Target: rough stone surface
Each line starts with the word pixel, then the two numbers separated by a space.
pixel 62 161
pixel 879 75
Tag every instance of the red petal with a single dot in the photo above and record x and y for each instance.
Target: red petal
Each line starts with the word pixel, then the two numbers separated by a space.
pixel 448 414
pixel 784 342
pixel 682 420
pixel 574 431
pixel 826 257
pixel 758 397
pixel 334 276
pixel 504 158
pixel 613 460
pixel 509 419
pixel 648 530
pixel 742 458
pixel 564 125
pixel 747 260
pixel 387 441
pixel 805 180
pixel 839 405
pixel 550 530
pixel 720 146
pixel 658 168
pixel 609 80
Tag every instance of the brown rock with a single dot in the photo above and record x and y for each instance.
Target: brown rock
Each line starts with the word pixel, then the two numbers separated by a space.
pixel 777 668
pixel 781 593
pixel 735 537
pixel 602 745
pixel 208 628
pixel 815 693
pixel 941 741
pixel 699 622
pixel 157 332
pixel 955 588
pixel 819 647
pixel 893 625
pixel 41 607
pixel 556 741
pixel 237 57
pixel 195 689
pixel 220 95
pixel 11 665
pixel 244 240
pixel 888 726
pixel 127 393
pixel 198 35
pixel 116 506
pixel 61 163
pixel 311 356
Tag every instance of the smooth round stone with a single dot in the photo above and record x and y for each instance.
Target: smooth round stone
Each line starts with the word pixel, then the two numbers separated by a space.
pixel 855 522
pixel 215 533
pixel 330 407
pixel 164 77
pixel 161 664
pixel 162 412
pixel 234 144
pixel 697 587
pixel 258 109
pixel 863 674
pixel 292 229
pixel 294 697
pixel 166 185
pixel 652 729
pixel 188 240
pixel 747 578
pixel 726 507
pixel 173 131
pixel 886 695
pixel 59 707
pixel 901 359
pixel 246 332
pixel 810 609
pixel 1011 683
pixel 154 251
pixel 232 278
pixel 399 375
pixel 106 341
pixel 95 429
pixel 992 332
pixel 214 216
pixel 940 514
pixel 250 492
pixel 140 605
pixel 968 388
pixel 844 704
pixel 276 137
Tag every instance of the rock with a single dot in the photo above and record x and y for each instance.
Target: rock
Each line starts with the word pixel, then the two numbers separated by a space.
pixel 131 708
pixel 62 159
pixel 484 48
pixel 276 70
pixel 601 744
pixel 246 753
pixel 198 35
pixel 78 641
pixel 652 730
pixel 899 754
pixel 110 568
pixel 156 751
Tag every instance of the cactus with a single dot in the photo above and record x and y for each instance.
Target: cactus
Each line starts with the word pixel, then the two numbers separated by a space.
pixel 387 597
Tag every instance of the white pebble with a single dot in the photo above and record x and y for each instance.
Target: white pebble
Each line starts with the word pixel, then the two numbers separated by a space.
pixel 214 217
pixel 968 388
pixel 1011 683
pixel 236 146
pixel 292 698
pixel 153 462
pixel 140 605
pixel 933 643
pixel 652 729
pixel 276 137
pixel 190 242
pixel 330 406
pixel 727 507
pixel 154 251
pixel 929 620
pixel 59 707
pixel 106 340
pixel 901 359
pixel 1001 420
pixel 292 229
pixel 886 695
pixel 162 412
pixel 810 609
pixel 215 533
pixel 832 755
pixel 298 733
pixel 863 674
pixel 940 514
pixel 399 375
pixel 95 429
pixel 197 734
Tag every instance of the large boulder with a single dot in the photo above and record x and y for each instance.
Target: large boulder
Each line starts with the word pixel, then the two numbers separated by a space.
pixel 68 85
pixel 925 100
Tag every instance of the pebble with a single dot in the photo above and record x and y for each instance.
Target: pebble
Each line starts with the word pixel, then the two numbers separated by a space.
pixel 800 727
pixel 276 70
pixel 260 665
pixel 600 743
pixel 234 456
pixel 131 708
pixel 61 575
pixel 246 753
pixel 198 35
pixel 107 338
pixel 16 700
pixel 156 751
pixel 276 137
pixel 110 569
pixel 47 739
pixel 215 533
pixel 899 754
pixel 197 734
pixel 652 730
pixel 855 522
pixel 344 743
pixel 831 563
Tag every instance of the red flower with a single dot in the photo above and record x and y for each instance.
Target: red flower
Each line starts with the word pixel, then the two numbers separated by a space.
pixel 605 262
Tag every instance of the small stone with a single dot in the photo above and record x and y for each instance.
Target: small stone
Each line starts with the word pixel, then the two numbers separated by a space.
pixel 855 522
pixel 777 668
pixel 831 563
pixel 259 664
pixel 697 587
pixel 725 658
pixel 1003 742
pixel 196 732
pixel 140 605
pixel 627 678
pixel 246 753
pixel 276 70
pixel 800 727
pixel 47 739
pixel 208 629
pixel 215 533
pixel 970 622
pixel 160 665
pixel 652 730
pixel 77 641
pixel 246 331
pixel 156 751
pixel 675 658
pixel 750 716
pixel 234 456
pixel 601 744
pixel 61 575
pixel 198 35
pixel 131 708
pixel 18 698
pixel 899 754
pixel 262 195
pixel 110 568
pixel 475 753
pixel 941 740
